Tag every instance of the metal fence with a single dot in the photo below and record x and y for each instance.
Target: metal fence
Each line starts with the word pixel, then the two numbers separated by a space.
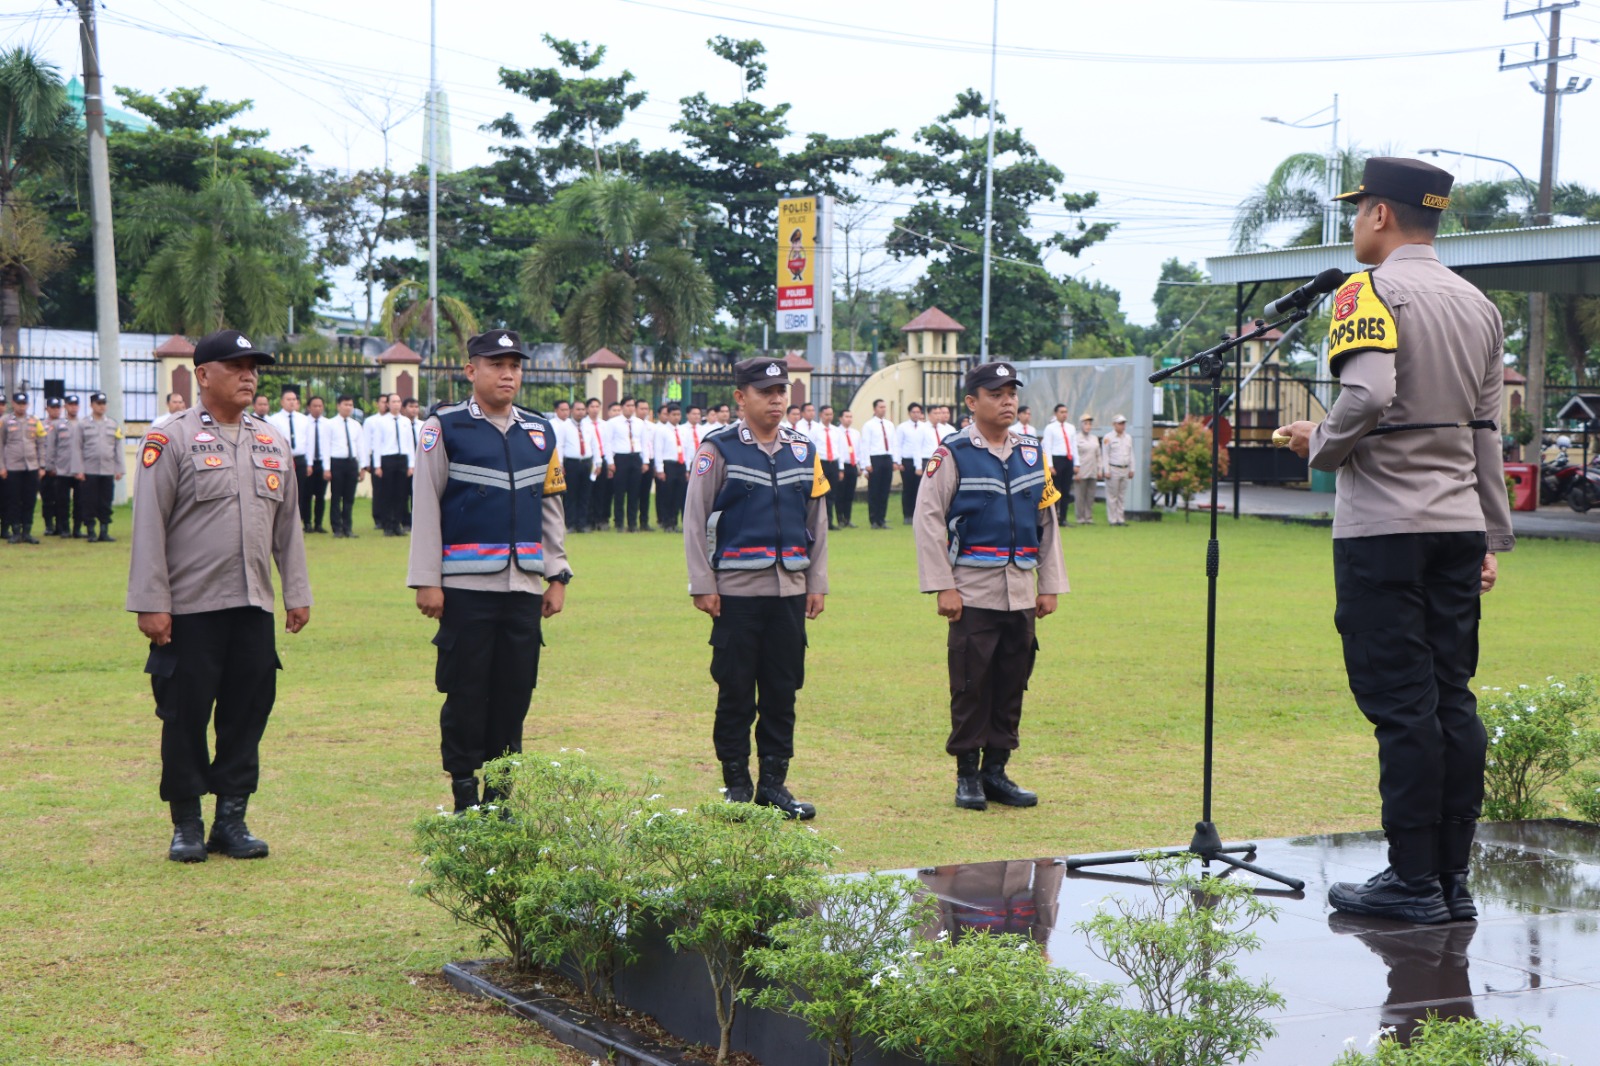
pixel 45 376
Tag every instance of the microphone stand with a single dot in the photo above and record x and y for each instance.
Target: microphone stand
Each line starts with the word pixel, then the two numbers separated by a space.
pixel 1207 843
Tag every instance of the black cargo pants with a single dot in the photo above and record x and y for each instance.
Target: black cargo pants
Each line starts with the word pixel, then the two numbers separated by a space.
pixel 758 660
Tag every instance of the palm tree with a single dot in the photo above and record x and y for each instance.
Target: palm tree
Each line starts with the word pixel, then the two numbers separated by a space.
pixel 39 138
pixel 211 259
pixel 1297 191
pixel 619 256
pixel 407 312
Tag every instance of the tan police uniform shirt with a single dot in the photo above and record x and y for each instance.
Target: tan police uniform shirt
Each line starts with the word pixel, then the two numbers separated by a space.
pixel 1448 368
pixel 1087 445
pixel 97 448
pixel 998 588
pixel 1116 454
pixel 210 516
pixel 55 432
pixel 20 442
pixel 705 481
pixel 425 569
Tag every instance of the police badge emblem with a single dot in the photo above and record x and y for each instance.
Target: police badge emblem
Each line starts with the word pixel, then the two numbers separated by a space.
pixel 799 449
pixel 1030 455
pixel 536 434
pixel 430 437
pixel 702 465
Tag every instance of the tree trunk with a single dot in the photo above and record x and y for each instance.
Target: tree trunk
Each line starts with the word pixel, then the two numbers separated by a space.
pixel 10 329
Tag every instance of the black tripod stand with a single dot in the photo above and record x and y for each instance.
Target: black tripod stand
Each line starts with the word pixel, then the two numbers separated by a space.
pixel 1207 843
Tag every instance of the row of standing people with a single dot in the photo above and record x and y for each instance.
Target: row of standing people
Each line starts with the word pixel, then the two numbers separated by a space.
pixel 70 463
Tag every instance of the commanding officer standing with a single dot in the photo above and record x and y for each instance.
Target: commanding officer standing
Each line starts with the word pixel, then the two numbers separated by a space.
pixel 1421 511
pixel 1116 456
pixel 988 546
pixel 489 525
pixel 97 463
pixel 878 438
pixel 21 437
pixel 1063 455
pixel 756 541
pixel 214 507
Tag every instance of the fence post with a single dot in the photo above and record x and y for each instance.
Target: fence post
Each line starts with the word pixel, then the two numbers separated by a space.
pixel 604 378
pixel 799 379
pixel 174 358
pixel 398 370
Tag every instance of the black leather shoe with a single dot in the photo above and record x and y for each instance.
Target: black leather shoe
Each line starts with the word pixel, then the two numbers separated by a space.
pixel 969 785
pixel 465 791
pixel 105 533
pixel 1455 851
pixel 770 790
pixel 188 832
pixel 78 533
pixel 230 835
pixel 1407 890
pixel 1000 788
pixel 737 787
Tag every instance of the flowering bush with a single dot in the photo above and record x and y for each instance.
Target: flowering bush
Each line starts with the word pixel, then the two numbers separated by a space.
pixel 1182 461
pixel 1537 736
pixel 1446 1042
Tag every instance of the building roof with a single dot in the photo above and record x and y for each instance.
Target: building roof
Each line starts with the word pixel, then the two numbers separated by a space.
pixel 933 320
pixel 399 353
pixel 798 364
pixel 604 358
pixel 177 344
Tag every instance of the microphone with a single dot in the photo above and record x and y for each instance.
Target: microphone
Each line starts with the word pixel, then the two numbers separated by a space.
pixel 1302 297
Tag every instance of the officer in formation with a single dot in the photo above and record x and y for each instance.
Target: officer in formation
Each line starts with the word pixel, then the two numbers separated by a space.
pixel 319 469
pixel 488 557
pixel 575 465
pixel 592 449
pixel 295 424
pixel 915 441
pixel 1421 513
pixel 214 508
pixel 878 436
pixel 676 446
pixel 21 438
pixel 848 447
pixel 1116 458
pixel 347 464
pixel 988 547
pixel 1062 451
pixel 54 488
pixel 626 447
pixel 96 463
pixel 391 451
pixel 1087 469
pixel 760 572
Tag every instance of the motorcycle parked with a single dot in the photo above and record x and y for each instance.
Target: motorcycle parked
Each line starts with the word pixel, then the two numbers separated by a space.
pixel 1561 479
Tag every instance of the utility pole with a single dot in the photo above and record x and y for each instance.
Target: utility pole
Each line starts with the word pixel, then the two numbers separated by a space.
pixel 1538 302
pixel 105 252
pixel 988 190
pixel 433 182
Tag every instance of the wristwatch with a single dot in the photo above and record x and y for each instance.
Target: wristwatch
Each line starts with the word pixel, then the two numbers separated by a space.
pixel 559 579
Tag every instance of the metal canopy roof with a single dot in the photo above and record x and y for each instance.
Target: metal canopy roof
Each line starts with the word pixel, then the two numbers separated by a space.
pixel 1562 259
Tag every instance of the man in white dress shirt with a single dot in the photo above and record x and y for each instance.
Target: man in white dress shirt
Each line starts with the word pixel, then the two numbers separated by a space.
pixel 915 441
pixel 314 503
pixel 878 438
pixel 392 454
pixel 591 435
pixel 347 464
pixel 575 463
pixel 1062 454
pixel 851 462
pixel 296 427
pixel 675 448
pixel 624 462
pixel 826 439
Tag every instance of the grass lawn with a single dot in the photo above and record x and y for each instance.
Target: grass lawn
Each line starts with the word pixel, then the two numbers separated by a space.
pixel 110 953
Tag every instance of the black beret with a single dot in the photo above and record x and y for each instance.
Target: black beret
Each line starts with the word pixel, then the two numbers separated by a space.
pixel 762 373
pixel 496 342
pixel 1405 181
pixel 227 344
pixel 991 376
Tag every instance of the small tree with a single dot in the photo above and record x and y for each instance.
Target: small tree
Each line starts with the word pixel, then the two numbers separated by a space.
pixel 1537 736
pixel 731 871
pixel 1182 461
pixel 473 864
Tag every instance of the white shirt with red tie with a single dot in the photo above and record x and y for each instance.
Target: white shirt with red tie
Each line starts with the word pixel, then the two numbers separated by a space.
pixel 877 436
pixel 1058 443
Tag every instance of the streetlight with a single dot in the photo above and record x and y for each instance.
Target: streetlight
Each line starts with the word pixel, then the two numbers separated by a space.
pixel 1527 186
pixel 1066 332
pixel 872 312
pixel 1330 212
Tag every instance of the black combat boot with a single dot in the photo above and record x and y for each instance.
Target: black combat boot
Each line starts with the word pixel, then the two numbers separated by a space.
pixel 736 779
pixel 771 793
pixel 465 791
pixel 1455 849
pixel 1000 788
pixel 188 832
pixel 230 835
pixel 969 783
pixel 1408 890
pixel 25 535
pixel 105 533
pixel 77 531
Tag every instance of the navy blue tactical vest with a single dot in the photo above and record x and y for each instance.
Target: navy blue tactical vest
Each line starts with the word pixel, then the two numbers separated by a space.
pixel 759 516
pixel 994 517
pixel 492 508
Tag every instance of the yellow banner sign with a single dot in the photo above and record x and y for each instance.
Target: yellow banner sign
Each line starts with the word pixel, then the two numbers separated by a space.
pixel 797 255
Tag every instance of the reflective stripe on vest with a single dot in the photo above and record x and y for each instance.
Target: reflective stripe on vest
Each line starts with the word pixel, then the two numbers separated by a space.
pixel 492 510
pixel 759 516
pixel 993 519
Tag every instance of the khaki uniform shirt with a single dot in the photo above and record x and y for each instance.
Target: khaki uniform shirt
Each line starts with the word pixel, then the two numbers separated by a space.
pixel 774 580
pixel 425 569
pixel 1087 446
pixel 97 448
pixel 1447 368
pixel 998 588
pixel 1116 454
pixel 211 514
pixel 20 442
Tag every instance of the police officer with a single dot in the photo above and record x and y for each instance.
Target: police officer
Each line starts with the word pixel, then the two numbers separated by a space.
pixel 488 531
pixel 1420 512
pixel 21 437
pixel 214 507
pixel 760 576
pixel 989 547
pixel 1116 458
pixel 51 486
pixel 1086 469
pixel 97 464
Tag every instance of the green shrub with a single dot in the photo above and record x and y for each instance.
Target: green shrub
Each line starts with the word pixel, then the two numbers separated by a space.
pixel 1453 1042
pixel 983 1000
pixel 1181 462
pixel 729 873
pixel 1191 1007
pixel 1583 795
pixel 1537 736
pixel 821 964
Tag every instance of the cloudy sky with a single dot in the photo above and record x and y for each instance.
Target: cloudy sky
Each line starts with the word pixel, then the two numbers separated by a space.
pixel 1156 105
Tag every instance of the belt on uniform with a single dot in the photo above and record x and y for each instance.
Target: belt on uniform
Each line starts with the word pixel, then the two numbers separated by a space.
pixel 1402 427
pixel 1119 466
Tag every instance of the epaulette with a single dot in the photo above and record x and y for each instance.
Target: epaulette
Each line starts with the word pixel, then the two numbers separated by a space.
pixel 442 407
pixel 1023 438
pixel 787 435
pixel 522 414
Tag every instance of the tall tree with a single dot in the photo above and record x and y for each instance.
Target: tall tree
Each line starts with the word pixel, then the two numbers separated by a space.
pixel 620 252
pixel 1191 313
pixel 191 138
pixel 408 315
pixel 946 225
pixel 735 169
pixel 39 140
pixel 1296 193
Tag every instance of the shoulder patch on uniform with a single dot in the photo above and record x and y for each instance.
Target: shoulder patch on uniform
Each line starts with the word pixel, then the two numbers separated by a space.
pixel 1030 453
pixel 535 433
pixel 798 449
pixel 702 465
pixel 430 437
pixel 1361 321
pixel 154 445
pixel 555 478
pixel 940 454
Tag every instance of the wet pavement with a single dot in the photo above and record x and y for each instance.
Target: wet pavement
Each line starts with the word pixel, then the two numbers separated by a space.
pixel 1557 521
pixel 1533 955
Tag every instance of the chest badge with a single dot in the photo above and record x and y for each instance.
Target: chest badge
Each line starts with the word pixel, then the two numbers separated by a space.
pixel 1030 455
pixel 536 434
pixel 213 460
pixel 266 438
pixel 799 450
pixel 273 481
pixel 204 438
